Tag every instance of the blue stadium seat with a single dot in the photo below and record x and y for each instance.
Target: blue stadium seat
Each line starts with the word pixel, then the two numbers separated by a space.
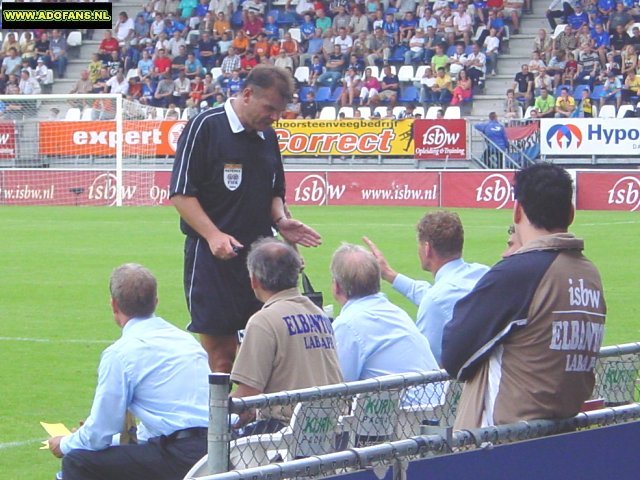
pixel 236 19
pixel 577 92
pixel 408 94
pixel 451 49
pixel 559 88
pixel 286 19
pixel 273 13
pixel 335 95
pixel 597 92
pixel 323 94
pixel 304 91
pixel 398 54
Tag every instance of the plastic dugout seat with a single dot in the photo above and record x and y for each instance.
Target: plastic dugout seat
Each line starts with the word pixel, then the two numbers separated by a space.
pixel 419 73
pixel 296 34
pixel 302 74
pixel 398 111
pixel 380 111
pixel 452 112
pixel 87 114
pixel 405 73
pixel 398 54
pixel 630 30
pixel 348 112
pixel 432 113
pixel 328 113
pixel 607 111
pixel 381 73
pixel 375 71
pixel 419 111
pixel 558 30
pixel 73 115
pixel 365 112
pixel 624 109
pixel 216 72
pixel 74 39
pixel 478 33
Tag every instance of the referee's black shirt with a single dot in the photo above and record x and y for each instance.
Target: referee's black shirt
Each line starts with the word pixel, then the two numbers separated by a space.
pixel 233 173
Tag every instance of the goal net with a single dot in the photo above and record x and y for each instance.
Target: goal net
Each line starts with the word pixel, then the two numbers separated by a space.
pixel 85 150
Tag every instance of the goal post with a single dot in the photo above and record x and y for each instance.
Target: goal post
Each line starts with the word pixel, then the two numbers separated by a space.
pixel 85 149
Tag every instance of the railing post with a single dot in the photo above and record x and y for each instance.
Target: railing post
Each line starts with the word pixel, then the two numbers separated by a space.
pixel 218 434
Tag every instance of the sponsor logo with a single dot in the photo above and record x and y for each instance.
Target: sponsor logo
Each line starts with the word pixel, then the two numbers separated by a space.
pixel 174 134
pixel 342 143
pixel 104 188
pixel 314 189
pixel 437 137
pixel 132 137
pixel 626 191
pixel 232 175
pixel 495 188
pixel 564 136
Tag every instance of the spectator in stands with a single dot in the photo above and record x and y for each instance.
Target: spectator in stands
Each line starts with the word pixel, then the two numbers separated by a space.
pixel 565 40
pixel 12 63
pixel 177 45
pixel 570 70
pixel 101 81
pixel 178 62
pixel 462 24
pixel 556 66
pixel 164 91
pixel 523 85
pixel 390 88
pixel 492 48
pixel 359 22
pixel 115 63
pixel 41 72
pixel 314 47
pixel 407 27
pixel 542 80
pixel 28 85
pixel 545 104
pixel 374 337
pixel 283 61
pixel 310 109
pixel 511 107
pixel 291 48
pixel 124 28
pixel 601 42
pixel 536 63
pixel 351 87
pixel 293 109
pixel 117 84
pixel 427 82
pixel 108 45
pixel 578 18
pixel 524 341
pixel 588 66
pixel 476 64
pixel 463 90
pixel 612 91
pixel 543 44
pixel 181 89
pixel 344 41
pixel 620 17
pixel 161 63
pixel 207 51
pixel 302 360
pixel 193 67
pixel 370 88
pixel 379 47
pixel 496 139
pixel 440 242
pixel 559 9
pixel 334 68
pixel 416 47
pixel 83 85
pixel 28 49
pixel 585 107
pixel 439 59
pixel 42 48
pixel 147 91
pixel 565 104
pixel 145 65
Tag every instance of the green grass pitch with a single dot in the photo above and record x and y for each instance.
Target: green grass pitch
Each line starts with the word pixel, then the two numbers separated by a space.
pixel 54 310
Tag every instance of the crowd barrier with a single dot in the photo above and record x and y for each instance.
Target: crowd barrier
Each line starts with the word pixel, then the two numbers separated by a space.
pixel 595 189
pixel 338 428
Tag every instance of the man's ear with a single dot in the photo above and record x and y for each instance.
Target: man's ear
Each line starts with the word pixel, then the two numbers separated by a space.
pixel 517 212
pixel 255 283
pixel 572 214
pixel 114 306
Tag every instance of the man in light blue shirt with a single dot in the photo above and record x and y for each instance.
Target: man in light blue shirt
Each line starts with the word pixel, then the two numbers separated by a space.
pixel 156 371
pixel 374 337
pixel 440 241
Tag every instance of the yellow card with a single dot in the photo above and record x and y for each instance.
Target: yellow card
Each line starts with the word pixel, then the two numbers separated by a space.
pixel 55 429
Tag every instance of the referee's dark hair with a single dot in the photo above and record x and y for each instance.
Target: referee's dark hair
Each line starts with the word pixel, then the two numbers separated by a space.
pixel 275 264
pixel 356 271
pixel 267 76
pixel 135 290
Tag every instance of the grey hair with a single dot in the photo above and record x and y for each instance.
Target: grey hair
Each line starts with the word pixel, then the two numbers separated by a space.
pixel 355 270
pixel 135 290
pixel 275 264
pixel 269 76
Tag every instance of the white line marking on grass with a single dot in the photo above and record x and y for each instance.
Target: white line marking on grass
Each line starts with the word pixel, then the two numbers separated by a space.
pixel 6 445
pixel 48 340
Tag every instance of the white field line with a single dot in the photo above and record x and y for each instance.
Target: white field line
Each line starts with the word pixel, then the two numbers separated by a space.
pixel 48 340
pixel 492 227
pixel 4 446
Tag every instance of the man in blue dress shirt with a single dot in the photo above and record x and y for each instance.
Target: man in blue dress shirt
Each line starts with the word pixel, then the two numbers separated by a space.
pixel 374 337
pixel 440 241
pixel 156 371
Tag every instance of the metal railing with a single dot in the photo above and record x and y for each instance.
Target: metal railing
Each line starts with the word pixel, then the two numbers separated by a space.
pixel 354 423
pixel 486 154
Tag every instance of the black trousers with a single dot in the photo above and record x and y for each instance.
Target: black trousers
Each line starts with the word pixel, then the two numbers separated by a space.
pixel 567 10
pixel 159 459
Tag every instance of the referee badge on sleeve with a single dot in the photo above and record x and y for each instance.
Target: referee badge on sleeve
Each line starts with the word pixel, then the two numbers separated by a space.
pixel 232 175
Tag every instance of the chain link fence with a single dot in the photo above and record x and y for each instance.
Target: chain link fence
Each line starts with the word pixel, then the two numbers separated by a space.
pixel 340 418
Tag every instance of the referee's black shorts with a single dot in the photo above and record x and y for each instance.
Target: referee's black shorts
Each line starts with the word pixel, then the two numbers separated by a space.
pixel 218 292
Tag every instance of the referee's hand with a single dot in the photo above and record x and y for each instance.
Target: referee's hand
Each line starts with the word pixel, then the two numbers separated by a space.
pixel 295 232
pixel 224 246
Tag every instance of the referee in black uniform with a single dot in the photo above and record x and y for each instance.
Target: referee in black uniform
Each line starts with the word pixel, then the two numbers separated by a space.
pixel 228 186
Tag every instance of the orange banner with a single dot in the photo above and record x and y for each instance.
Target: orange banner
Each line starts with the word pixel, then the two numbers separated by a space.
pixel 144 137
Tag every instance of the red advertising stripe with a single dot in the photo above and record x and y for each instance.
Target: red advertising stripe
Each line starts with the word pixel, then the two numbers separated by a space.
pixel 618 190
pixel 440 139
pixel 488 189
pixel 7 140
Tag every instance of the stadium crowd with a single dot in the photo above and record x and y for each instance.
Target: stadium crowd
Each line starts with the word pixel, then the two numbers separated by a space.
pixel 186 56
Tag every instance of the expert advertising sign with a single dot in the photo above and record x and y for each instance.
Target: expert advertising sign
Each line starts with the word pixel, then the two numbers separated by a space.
pixel 590 136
